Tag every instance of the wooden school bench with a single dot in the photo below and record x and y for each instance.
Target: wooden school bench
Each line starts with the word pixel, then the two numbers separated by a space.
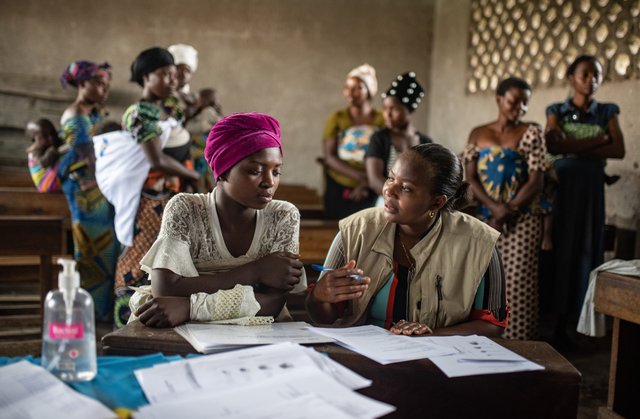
pixel 418 388
pixel 26 241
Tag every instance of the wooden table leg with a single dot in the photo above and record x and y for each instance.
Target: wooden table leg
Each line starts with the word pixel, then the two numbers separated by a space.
pixel 624 375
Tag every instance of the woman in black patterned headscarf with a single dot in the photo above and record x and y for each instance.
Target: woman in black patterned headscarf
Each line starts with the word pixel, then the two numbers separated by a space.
pixel 401 99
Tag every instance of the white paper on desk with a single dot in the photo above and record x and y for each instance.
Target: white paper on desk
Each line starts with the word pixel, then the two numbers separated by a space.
pixel 211 336
pixel 383 346
pixel 237 369
pixel 29 391
pixel 478 355
pixel 338 371
pixel 308 406
pixel 277 389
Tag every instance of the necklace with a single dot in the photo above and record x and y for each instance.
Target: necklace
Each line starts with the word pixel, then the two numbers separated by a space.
pixel 412 265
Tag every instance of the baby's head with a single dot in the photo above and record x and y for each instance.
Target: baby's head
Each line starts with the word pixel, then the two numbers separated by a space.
pixel 208 97
pixel 44 141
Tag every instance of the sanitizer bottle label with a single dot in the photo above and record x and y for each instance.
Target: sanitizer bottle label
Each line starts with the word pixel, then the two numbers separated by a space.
pixel 66 331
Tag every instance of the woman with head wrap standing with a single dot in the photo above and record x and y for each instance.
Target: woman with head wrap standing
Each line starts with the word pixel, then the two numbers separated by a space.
pixel 230 253
pixel 345 141
pixel 155 72
pixel 400 100
pixel 95 245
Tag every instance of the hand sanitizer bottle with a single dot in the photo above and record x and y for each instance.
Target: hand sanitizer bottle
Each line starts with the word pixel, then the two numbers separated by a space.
pixel 68 332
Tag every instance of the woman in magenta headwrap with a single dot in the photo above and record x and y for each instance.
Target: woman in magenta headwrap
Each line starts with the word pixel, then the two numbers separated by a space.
pixel 95 246
pixel 231 254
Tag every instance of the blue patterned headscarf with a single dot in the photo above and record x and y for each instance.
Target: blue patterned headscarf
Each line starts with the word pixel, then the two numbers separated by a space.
pixel 79 71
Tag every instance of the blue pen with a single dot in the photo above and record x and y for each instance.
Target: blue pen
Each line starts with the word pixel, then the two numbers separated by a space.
pixel 322 268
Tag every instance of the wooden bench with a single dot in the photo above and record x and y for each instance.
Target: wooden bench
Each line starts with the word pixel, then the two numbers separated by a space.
pixel 315 239
pixel 304 198
pixel 41 236
pixel 15 176
pixel 28 201
pixel 24 237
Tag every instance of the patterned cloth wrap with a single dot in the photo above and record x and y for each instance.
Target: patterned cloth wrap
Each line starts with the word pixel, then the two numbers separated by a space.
pixel 79 71
pixel 502 172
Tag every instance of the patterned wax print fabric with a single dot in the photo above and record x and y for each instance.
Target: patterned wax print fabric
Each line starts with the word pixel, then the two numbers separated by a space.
pixel 352 144
pixel 45 179
pixel 502 172
pixel 199 127
pixel 143 121
pixel 95 246
pixel 578 207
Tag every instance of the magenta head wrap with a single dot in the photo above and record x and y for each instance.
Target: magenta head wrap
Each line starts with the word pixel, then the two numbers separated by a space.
pixel 238 136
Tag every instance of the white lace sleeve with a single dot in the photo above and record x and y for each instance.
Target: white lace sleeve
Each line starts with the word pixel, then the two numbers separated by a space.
pixel 236 303
pixel 283 234
pixel 172 248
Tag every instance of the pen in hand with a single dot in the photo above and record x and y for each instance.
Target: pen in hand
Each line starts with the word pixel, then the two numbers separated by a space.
pixel 322 268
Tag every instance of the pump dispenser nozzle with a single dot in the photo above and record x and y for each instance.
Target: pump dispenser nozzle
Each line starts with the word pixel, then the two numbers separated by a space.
pixel 69 277
pixel 68 282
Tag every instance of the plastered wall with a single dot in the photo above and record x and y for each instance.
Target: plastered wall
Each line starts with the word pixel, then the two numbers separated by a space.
pixel 288 58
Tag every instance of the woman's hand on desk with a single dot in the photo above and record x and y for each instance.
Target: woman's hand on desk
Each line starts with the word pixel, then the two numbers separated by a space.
pixel 404 327
pixel 336 286
pixel 165 311
pixel 280 270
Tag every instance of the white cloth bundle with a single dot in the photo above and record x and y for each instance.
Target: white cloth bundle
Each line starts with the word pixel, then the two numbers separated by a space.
pixel 121 170
pixel 592 323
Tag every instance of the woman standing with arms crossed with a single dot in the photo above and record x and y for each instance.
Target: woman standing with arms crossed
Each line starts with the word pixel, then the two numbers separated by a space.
pixel 94 240
pixel 155 72
pixel 505 165
pixel 345 142
pixel 583 133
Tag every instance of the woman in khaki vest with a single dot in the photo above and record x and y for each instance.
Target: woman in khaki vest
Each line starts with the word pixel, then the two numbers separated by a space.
pixel 429 268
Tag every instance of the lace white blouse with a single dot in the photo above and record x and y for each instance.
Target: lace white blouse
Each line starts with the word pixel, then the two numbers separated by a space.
pixel 190 243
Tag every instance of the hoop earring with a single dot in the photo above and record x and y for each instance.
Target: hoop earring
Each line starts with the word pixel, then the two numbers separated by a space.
pixel 431 213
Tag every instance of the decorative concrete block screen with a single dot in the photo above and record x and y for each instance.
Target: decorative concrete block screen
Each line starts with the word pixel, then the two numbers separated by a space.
pixel 537 40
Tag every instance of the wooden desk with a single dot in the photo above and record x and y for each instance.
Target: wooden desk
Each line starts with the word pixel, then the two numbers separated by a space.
pixel 419 388
pixel 619 297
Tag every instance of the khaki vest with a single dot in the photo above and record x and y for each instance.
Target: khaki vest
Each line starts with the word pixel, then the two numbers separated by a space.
pixel 453 256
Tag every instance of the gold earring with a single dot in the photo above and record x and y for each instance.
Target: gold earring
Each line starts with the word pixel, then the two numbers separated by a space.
pixel 431 213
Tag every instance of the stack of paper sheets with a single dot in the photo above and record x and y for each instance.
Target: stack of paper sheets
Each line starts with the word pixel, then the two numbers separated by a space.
pixel 29 391
pixel 210 338
pixel 456 356
pixel 383 346
pixel 276 381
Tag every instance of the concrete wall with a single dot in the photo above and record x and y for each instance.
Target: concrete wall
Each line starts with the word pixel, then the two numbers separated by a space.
pixel 288 58
pixel 453 113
